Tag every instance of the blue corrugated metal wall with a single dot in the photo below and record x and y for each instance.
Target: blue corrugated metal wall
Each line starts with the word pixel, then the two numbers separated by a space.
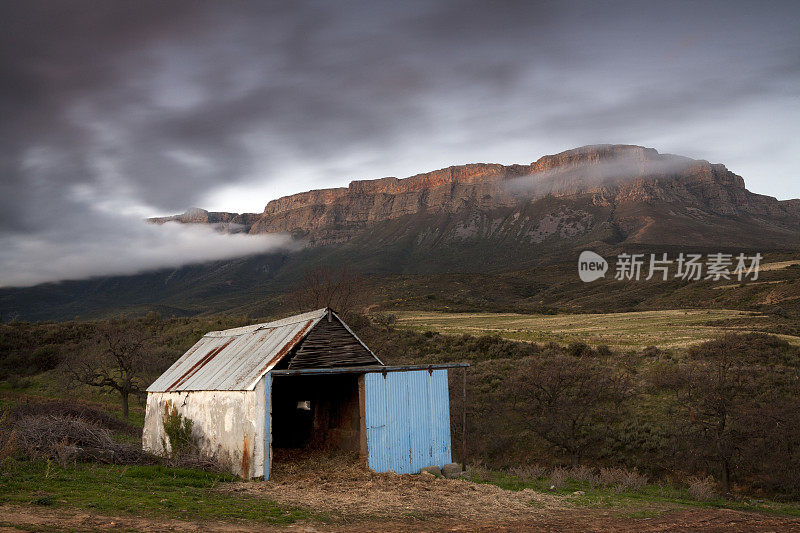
pixel 407 419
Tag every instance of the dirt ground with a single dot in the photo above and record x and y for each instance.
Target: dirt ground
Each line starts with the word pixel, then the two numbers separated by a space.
pixel 355 499
pixel 16 518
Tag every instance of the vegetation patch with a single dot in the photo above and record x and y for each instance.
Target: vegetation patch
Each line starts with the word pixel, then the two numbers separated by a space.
pixel 642 501
pixel 151 490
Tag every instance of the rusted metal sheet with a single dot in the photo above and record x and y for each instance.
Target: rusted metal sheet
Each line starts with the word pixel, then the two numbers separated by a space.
pixel 236 359
pixel 287 347
pixel 197 366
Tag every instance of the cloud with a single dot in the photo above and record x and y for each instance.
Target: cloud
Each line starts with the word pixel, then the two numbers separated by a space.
pixel 586 173
pixel 137 247
pixel 115 109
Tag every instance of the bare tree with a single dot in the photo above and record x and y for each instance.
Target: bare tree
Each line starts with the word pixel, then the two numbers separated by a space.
pixel 713 397
pixel 120 359
pixel 342 290
pixel 569 402
pixel 737 395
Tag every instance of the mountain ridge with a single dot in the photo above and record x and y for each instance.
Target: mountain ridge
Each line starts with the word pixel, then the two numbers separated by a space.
pixel 623 181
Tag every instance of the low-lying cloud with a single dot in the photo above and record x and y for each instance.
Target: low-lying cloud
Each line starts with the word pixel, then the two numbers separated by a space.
pixel 124 250
pixel 586 174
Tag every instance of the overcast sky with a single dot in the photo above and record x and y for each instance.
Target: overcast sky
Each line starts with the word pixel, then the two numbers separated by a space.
pixel 112 111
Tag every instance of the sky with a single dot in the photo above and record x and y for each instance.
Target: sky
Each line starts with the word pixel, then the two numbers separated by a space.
pixel 113 111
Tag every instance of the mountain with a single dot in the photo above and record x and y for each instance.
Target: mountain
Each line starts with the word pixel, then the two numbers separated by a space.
pixel 425 233
pixel 608 193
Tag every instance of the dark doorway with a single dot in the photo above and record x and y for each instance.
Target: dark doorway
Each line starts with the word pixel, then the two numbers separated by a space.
pixel 316 412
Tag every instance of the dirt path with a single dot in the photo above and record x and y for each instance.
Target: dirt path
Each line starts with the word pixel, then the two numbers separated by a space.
pixel 16 518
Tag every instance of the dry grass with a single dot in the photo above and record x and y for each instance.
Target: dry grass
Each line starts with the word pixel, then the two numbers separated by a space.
pixel 778 265
pixel 69 439
pixel 558 478
pixel 584 474
pixel 342 486
pixel 622 479
pixel 701 488
pixel 72 409
pixel 676 328
pixel 530 473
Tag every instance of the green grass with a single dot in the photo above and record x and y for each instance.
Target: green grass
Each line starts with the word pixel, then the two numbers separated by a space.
pixel 152 491
pixel 647 502
pixel 635 330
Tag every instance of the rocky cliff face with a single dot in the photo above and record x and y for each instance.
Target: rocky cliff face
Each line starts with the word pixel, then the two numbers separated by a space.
pixel 635 192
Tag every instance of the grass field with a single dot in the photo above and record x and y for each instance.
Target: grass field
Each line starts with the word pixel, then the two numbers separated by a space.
pixel 666 329
pixel 152 491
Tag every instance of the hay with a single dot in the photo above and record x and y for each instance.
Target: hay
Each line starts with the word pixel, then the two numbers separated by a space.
pixel 342 485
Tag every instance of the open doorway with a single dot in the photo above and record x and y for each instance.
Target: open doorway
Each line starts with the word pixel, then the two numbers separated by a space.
pixel 316 413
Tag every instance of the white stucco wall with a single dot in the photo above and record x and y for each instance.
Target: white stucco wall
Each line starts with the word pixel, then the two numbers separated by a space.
pixel 228 425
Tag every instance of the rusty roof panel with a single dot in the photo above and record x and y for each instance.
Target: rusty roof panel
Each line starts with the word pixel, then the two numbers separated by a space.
pixel 198 366
pixel 286 348
pixel 180 366
pixel 236 359
pixel 216 358
pixel 238 356
pixel 250 364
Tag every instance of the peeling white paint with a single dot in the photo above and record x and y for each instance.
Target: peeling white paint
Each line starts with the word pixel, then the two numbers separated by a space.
pixel 224 422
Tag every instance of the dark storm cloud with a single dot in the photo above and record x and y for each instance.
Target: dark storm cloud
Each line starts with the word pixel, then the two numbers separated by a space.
pixel 114 110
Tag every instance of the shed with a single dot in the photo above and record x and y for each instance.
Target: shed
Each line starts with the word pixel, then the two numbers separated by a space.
pixel 306 381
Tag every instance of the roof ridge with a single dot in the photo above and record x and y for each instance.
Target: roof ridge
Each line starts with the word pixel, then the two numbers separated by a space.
pixel 243 330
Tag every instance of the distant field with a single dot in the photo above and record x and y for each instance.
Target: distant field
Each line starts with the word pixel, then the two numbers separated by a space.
pixel 779 265
pixel 666 329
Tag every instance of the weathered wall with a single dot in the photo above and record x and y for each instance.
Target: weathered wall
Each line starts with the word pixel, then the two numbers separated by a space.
pixel 228 425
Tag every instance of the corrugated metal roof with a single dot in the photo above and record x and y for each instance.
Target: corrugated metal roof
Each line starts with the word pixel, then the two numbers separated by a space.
pixel 235 359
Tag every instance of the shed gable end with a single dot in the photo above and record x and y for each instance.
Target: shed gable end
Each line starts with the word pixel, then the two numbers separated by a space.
pixel 330 344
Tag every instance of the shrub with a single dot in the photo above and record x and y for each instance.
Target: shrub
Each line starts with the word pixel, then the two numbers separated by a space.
pixel 74 410
pixel 46 357
pixel 69 439
pixel 633 480
pixel 622 479
pixel 603 350
pixel 558 478
pixel 579 349
pixel 16 381
pixel 611 476
pixel 570 403
pixel 526 474
pixel 583 474
pixel 479 472
pixel 652 352
pixel 701 488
